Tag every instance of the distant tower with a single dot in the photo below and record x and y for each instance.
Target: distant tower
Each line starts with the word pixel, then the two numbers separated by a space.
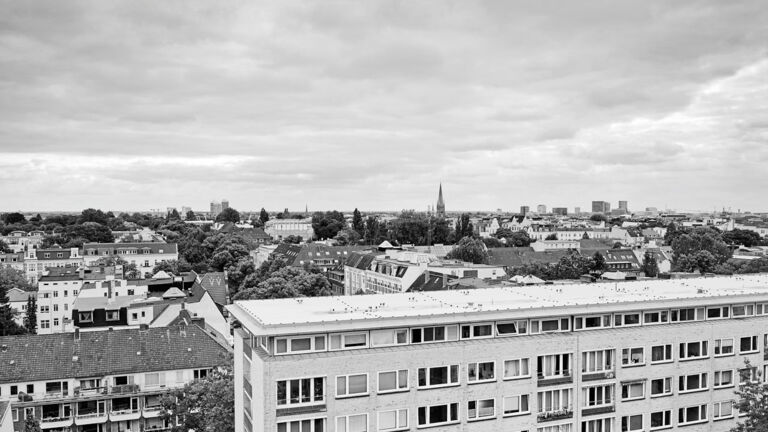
pixel 440 202
pixel 224 204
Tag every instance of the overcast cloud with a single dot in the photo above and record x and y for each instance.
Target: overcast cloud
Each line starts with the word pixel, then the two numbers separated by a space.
pixel 139 105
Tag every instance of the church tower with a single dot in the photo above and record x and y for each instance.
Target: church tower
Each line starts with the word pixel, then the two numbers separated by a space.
pixel 440 203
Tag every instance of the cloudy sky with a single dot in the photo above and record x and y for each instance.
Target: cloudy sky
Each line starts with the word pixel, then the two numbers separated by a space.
pixel 140 105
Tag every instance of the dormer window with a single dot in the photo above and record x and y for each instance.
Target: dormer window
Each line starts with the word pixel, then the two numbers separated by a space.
pixel 86 316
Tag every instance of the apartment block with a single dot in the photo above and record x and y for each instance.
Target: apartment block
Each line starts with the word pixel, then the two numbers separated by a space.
pixel 633 356
pixel 108 381
pixel 145 255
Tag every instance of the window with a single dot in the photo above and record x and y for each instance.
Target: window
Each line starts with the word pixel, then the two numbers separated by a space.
pixel 550 325
pixel 30 389
pixel 517 368
pixel 693 414
pixel 510 328
pixel 724 347
pixel 476 331
pixel 14 390
pixel 306 425
pixel 693 350
pixel 352 423
pixel 591 322
pixel 632 390
pixel 554 365
pixel 45 324
pixel 348 341
pixel 393 420
pixel 722 410
pixel 389 337
pixel 595 396
pixel 481 372
pixel 113 315
pixel 55 322
pixel 554 400
pixel 723 378
pixel 632 423
pixel 437 415
pixel 691 383
pixel 481 409
pixel 439 376
pixel 661 353
pixel 627 319
pixel 351 385
pixel 748 344
pixel 434 334
pixel 717 312
pixel 597 361
pixel 299 344
pixel 393 381
pixel 743 310
pixel 154 379
pixel 86 316
pixel 597 425
pixel 566 427
pixel 657 317
pixel 15 414
pixel 632 356
pixel 661 387
pixel 514 405
pixel 300 391
pixel 45 309
pixel 134 316
pixel 748 374
pixel 661 419
pixel 683 315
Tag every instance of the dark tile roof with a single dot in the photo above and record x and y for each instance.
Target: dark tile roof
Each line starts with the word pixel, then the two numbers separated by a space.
pixel 53 253
pixel 112 248
pixel 216 284
pixel 59 356
pixel 295 254
pixel 431 281
pixel 360 260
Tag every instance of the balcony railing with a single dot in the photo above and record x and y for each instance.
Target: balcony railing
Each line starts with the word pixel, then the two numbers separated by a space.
pixel 124 389
pixel 79 391
pixel 91 415
pixel 555 415
pixel 156 428
pixel 125 411
pixel 55 419
pixel 547 380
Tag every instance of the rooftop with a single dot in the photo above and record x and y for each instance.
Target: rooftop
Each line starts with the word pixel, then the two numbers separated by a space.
pixel 503 301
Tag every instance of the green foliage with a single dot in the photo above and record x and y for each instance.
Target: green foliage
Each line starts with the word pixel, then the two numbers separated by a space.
pixel 204 405
pixel 327 225
pixel 228 215
pixel 263 216
pixel 759 265
pixel 190 216
pixel 357 223
pixel 464 227
pixel 93 215
pixel 741 237
pixel 470 250
pixel 284 283
pixel 599 217
pixel 570 266
pixel 753 401
pixel 10 278
pixel 699 249
pixel 347 236
pixel 174 215
pixel 31 424
pixel 492 242
pixel 4 248
pixel 14 218
pixel 514 239
pixel 292 239
pixel 598 263
pixel 30 320
pixel 174 267
pixel 650 265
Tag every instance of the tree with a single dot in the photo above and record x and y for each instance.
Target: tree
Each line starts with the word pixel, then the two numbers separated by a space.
pixel 327 225
pixel 204 405
pixel 10 278
pixel 174 267
pixel 347 236
pixel 599 217
pixel 753 401
pixel 688 248
pixel 4 248
pixel 357 223
pixel 470 250
pixel 263 216
pixel 650 265
pixel 552 236
pixel 372 228
pixel 174 215
pixel 741 237
pixel 464 227
pixel 93 215
pixel 31 424
pixel 441 230
pixel 285 283
pixel 30 320
pixel 190 215
pixel 228 215
pixel 14 218
pixel 492 242
pixel 598 262
pixel 703 261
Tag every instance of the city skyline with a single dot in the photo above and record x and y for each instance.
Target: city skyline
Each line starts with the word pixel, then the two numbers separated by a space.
pixel 371 105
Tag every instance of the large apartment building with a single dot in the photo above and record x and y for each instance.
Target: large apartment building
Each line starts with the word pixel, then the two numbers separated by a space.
pixel 633 356
pixel 145 255
pixel 108 381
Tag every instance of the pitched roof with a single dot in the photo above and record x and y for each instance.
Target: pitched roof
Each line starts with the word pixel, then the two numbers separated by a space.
pixel 100 353
pixel 360 260
pixel 112 248
pixel 18 295
pixel 216 284
pixel 4 409
pixel 431 281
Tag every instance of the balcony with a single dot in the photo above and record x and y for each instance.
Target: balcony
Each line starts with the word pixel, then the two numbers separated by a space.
pixel 549 416
pixel 55 422
pixel 594 376
pixel 124 389
pixel 565 378
pixel 597 410
pixel 157 428
pixel 90 418
pixel 152 411
pixel 92 391
pixel 124 414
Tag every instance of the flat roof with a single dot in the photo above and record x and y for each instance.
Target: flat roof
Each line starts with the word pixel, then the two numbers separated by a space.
pixel 364 311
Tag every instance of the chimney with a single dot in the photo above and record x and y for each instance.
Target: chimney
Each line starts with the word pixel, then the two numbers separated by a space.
pixel 77 333
pixel 445 280
pixel 81 270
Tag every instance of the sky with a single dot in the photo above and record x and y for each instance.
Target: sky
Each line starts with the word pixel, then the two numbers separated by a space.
pixel 138 105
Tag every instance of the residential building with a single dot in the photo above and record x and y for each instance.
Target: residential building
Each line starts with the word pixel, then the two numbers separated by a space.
pixel 601 207
pixel 541 209
pixel 560 211
pixel 626 356
pixel 6 422
pixel 577 211
pixel 13 260
pixel 37 261
pixel 487 227
pixel 279 229
pixel 524 210
pixel 317 255
pixel 102 381
pixel 548 245
pixel 19 241
pixel 624 207
pixel 145 255
pixel 622 260
pixel 17 300
pixel 216 208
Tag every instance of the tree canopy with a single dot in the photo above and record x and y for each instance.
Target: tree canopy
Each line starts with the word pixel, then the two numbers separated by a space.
pixel 228 215
pixel 327 225
pixel 470 250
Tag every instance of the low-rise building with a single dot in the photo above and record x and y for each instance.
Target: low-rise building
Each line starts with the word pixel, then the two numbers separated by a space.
pixel 280 229
pixel 38 261
pixel 102 381
pixel 19 241
pixel 144 255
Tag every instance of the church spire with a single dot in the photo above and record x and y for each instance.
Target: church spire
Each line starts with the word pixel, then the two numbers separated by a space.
pixel 440 202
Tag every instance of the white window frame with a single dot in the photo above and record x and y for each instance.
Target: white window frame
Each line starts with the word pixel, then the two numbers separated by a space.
pixel 718 346
pixel 723 312
pixel 450 333
pixel 607 398
pixel 675 315
pixel 663 317
pixel 399 385
pixel 564 400
pixel 537 326
pixel 520 362
pixel 342 340
pixel 666 420
pixel 519 324
pixel 471 328
pixel 563 371
pixel 628 386
pixel 580 322
pixel 519 411
pixel 604 360
pixel 717 410
pixel 682 383
pixel 628 352
pixel 448 406
pixel 346 378
pixel 669 355
pixel 667 383
pixel 628 419
pixel 755 345
pixel 603 424
pixel 389 332
pixel 477 417
pixel 449 368
pixel 399 426
pixel 685 346
pixel 620 319
pixel 312 399
pixel 748 310
pixel 312 344
pixel 682 420
pixel 476 379
pixel 346 418
pixel 718 378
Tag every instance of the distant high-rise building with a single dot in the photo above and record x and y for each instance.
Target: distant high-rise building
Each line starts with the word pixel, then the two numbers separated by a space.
pixel 561 211
pixel 224 204
pixel 623 206
pixel 601 207
pixel 524 210
pixel 541 208
pixel 440 202
pixel 577 211
pixel 651 209
pixel 215 208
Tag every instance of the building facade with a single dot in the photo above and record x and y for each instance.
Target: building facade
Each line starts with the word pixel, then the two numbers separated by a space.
pixel 279 229
pixel 601 207
pixel 145 255
pixel 634 356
